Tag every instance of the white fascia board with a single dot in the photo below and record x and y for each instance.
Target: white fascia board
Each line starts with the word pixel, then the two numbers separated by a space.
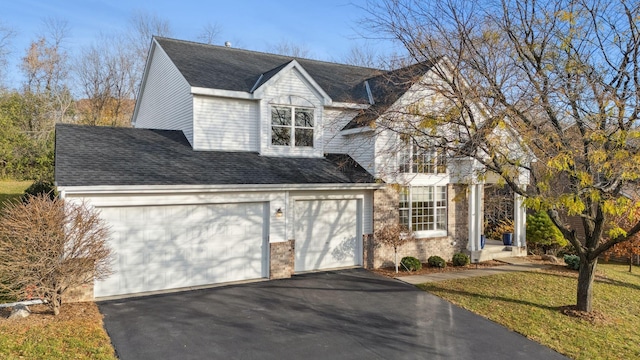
pixel 145 75
pixel 164 189
pixel 325 97
pixel 344 105
pixel 358 130
pixel 223 93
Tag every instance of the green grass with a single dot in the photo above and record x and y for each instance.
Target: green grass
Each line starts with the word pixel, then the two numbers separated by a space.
pixel 11 190
pixel 531 303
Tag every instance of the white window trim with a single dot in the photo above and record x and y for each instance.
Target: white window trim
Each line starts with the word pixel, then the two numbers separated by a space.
pixel 429 233
pixel 409 150
pixel 292 127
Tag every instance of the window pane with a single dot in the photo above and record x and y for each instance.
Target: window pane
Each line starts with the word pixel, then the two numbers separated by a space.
pixel 280 115
pixel 304 137
pixel 304 117
pixel 404 161
pixel 442 162
pixel 404 217
pixel 280 135
pixel 441 219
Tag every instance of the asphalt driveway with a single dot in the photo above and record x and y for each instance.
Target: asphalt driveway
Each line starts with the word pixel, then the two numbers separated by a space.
pixel 348 314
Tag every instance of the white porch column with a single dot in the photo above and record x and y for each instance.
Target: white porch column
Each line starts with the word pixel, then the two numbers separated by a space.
pixel 475 216
pixel 519 222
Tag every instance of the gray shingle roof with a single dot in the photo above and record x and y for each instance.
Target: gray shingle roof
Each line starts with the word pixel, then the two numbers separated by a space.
pixel 386 89
pixel 89 156
pixel 219 67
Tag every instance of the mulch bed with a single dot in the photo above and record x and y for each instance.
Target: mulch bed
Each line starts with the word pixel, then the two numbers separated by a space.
pixel 594 317
pixel 391 271
pixel 42 315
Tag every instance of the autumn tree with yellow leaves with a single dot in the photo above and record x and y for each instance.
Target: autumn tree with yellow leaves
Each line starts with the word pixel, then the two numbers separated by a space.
pixel 560 77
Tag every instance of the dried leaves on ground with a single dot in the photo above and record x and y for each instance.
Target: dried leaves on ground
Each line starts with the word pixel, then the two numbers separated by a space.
pixel 77 332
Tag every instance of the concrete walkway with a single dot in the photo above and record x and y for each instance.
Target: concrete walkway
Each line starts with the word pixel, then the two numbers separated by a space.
pixel 511 265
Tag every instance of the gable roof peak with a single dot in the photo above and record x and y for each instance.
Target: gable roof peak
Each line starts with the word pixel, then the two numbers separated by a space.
pixel 222 68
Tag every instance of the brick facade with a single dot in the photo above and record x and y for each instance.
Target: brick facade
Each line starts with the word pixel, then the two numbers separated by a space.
pixel 385 213
pixel 282 257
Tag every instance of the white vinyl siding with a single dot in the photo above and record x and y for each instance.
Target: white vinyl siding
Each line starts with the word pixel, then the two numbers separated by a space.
pixel 224 124
pixel 166 102
pixel 290 89
pixel 361 147
pixel 334 121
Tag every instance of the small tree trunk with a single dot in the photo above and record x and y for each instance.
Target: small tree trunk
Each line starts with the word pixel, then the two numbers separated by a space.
pixel 630 262
pixel 56 301
pixel 395 254
pixel 586 274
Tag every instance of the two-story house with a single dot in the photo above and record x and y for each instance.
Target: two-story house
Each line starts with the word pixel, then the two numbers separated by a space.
pixel 244 165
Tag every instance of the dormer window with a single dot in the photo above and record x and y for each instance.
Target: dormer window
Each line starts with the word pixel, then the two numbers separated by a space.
pixel 292 126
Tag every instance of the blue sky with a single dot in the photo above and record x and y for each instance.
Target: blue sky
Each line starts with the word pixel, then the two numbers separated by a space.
pixel 327 28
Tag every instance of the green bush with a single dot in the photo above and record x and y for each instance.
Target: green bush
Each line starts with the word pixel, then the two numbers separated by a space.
pixel 410 263
pixel 436 261
pixel 461 259
pixel 572 261
pixel 542 234
pixel 40 187
pixel 495 230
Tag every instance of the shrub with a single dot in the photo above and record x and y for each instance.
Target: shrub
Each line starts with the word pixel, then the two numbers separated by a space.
pixel 49 246
pixel 436 261
pixel 410 263
pixel 543 234
pixel 573 261
pixel 502 227
pixel 461 259
pixel 40 187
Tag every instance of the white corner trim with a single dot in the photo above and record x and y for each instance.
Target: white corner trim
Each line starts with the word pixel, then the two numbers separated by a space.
pixel 165 189
pixel 145 75
pixel 223 93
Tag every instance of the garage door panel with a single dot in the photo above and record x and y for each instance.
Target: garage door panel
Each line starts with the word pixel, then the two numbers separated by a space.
pixel 327 234
pixel 167 247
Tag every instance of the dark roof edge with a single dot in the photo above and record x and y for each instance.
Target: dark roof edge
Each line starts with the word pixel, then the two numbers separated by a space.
pixel 265 53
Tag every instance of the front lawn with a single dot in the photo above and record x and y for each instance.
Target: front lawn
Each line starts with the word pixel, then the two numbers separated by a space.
pixel 77 333
pixel 536 304
pixel 11 189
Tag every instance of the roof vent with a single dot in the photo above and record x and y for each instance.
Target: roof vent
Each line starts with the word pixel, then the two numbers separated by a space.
pixel 227 43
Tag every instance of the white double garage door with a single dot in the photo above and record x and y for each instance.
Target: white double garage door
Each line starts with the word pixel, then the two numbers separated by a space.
pixel 177 246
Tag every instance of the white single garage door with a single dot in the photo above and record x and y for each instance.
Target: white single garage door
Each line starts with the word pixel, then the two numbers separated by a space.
pixel 168 247
pixel 326 234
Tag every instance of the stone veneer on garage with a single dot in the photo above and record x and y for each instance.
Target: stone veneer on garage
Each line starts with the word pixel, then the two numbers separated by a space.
pixel 281 259
pixel 385 213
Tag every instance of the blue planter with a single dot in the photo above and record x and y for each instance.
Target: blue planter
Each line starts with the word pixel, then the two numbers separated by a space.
pixel 482 241
pixel 507 239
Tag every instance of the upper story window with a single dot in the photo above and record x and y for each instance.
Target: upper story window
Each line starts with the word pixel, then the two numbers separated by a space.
pixel 292 126
pixel 419 160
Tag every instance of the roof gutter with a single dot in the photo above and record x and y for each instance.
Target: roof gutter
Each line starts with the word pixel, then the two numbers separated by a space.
pixel 185 189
